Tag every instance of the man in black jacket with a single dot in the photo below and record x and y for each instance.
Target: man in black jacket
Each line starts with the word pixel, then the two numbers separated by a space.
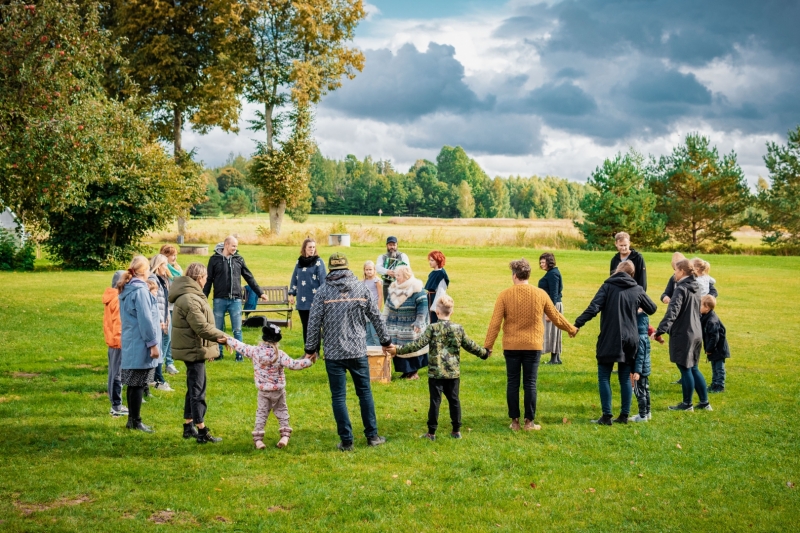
pixel 617 301
pixel 625 253
pixel 226 268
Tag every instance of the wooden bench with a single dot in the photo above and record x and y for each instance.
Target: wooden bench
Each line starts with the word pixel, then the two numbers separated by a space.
pixel 278 303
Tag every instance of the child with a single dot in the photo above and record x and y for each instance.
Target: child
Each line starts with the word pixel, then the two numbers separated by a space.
pixel 714 342
pixel 112 331
pixel 153 286
pixel 375 286
pixel 641 369
pixel 704 280
pixel 268 364
pixel 444 339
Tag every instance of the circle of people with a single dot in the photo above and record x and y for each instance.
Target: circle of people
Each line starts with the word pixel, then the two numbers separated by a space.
pixel 155 314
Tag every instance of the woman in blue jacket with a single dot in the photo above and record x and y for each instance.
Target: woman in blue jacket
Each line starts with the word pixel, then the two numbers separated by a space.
pixel 309 274
pixel 141 337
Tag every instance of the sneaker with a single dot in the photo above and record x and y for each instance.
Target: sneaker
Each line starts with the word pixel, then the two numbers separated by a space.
pixel 676 382
pixel 239 358
pixel 119 410
pixel 514 424
pixel 621 419
pixel 649 416
pixel 204 436
pixel 172 370
pixel 429 436
pixel 455 434
pixel 530 426
pixel 639 418
pixel 164 387
pixel 605 420
pixel 705 406
pixel 190 431
pixel 375 441
pixel 682 407
pixel 152 384
pixel 345 446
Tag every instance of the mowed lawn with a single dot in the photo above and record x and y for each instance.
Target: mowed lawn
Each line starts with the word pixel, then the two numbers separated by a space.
pixel 66 465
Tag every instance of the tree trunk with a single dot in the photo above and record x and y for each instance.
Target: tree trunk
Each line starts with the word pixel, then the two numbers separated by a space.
pixel 276 217
pixel 177 127
pixel 268 120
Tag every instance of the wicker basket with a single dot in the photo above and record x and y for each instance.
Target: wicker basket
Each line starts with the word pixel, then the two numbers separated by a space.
pixel 380 366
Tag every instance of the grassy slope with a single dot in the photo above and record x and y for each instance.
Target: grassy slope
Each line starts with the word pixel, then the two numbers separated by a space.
pixel 730 472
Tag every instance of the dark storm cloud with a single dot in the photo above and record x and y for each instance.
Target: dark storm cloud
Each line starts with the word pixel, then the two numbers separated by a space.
pixel 668 86
pixel 407 85
pixel 562 99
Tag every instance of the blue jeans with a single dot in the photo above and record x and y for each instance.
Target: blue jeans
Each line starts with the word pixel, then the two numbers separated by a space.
pixel 693 380
pixel 167 343
pixel 372 335
pixel 337 379
pixel 718 373
pixel 234 308
pixel 604 371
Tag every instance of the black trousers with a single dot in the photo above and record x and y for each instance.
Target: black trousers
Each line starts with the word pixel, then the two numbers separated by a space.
pixel 194 405
pixel 450 388
pixel 526 363
pixel 304 320
pixel 642 391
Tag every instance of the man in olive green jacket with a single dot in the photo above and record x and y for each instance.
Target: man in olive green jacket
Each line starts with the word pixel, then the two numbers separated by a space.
pixel 194 340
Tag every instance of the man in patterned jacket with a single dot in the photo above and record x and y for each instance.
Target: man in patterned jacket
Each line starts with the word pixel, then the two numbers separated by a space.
pixel 338 319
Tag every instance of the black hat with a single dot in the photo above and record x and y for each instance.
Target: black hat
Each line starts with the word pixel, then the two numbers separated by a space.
pixel 271 333
pixel 391 239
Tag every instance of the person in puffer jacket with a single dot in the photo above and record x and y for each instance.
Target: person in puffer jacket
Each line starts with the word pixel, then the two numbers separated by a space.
pixel 268 365
pixel 339 314
pixel 641 369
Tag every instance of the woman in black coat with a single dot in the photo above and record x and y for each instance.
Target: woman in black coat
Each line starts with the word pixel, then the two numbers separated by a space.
pixel 552 284
pixel 618 301
pixel 682 322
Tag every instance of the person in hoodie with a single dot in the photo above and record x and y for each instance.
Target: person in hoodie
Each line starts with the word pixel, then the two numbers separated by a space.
pixel 112 331
pixel 140 337
pixel 714 342
pixel 159 275
pixel 625 253
pixel 682 322
pixel 618 301
pixel 339 313
pixel 193 342
pixel 226 268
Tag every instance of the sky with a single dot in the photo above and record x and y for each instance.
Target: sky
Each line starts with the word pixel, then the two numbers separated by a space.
pixel 554 88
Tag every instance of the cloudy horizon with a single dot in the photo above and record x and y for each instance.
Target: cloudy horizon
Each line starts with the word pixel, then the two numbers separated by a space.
pixel 553 88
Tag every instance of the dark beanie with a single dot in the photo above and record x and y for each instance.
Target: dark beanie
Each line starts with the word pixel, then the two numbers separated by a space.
pixel 271 333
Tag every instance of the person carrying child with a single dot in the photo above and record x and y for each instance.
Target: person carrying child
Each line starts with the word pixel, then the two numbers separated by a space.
pixel 715 342
pixel 444 339
pixel 268 364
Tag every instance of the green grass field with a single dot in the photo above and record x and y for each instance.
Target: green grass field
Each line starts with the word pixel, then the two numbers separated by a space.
pixel 68 466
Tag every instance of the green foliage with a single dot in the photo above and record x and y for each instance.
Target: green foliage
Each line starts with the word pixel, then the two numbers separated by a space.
pixel 703 196
pixel 26 256
pixel 779 202
pixel 466 203
pixel 620 200
pixel 9 244
pixel 235 202
pixel 211 206
pixel 301 210
pixel 229 177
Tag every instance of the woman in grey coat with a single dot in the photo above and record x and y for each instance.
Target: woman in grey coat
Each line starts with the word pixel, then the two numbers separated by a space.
pixel 682 322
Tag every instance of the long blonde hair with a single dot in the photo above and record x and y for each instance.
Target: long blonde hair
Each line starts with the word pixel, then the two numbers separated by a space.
pixel 138 268
pixel 157 261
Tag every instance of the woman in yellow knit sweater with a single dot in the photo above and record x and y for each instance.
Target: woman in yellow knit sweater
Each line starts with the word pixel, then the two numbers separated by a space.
pixel 519 309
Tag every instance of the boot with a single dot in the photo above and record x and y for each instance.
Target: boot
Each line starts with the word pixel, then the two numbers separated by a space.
pixel 553 359
pixel 558 359
pixel 189 431
pixel 137 425
pixel 283 443
pixel 258 439
pixel 621 419
pixel 514 424
pixel 604 420
pixel 530 426
pixel 204 436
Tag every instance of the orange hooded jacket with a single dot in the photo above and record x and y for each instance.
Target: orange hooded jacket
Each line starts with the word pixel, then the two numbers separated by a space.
pixel 112 324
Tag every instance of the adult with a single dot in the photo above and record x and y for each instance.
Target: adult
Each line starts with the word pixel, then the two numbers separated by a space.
pixel 519 310
pixel 437 283
pixel 141 337
pixel 666 296
pixel 552 284
pixel 682 323
pixel 406 315
pixel 226 268
pixel 618 302
pixel 194 339
pixel 339 312
pixel 622 241
pixel 174 270
pixel 309 274
pixel 160 275
pixel 387 264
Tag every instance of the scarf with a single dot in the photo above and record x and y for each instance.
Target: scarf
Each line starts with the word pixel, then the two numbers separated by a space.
pixel 434 278
pixel 399 292
pixel 305 262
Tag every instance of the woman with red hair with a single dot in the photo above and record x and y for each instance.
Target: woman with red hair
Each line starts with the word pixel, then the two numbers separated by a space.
pixel 437 282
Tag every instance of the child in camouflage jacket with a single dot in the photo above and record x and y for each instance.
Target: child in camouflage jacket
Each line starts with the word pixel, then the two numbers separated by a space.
pixel 444 339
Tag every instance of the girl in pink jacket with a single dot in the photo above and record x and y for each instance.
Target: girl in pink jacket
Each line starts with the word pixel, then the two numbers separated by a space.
pixel 268 364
